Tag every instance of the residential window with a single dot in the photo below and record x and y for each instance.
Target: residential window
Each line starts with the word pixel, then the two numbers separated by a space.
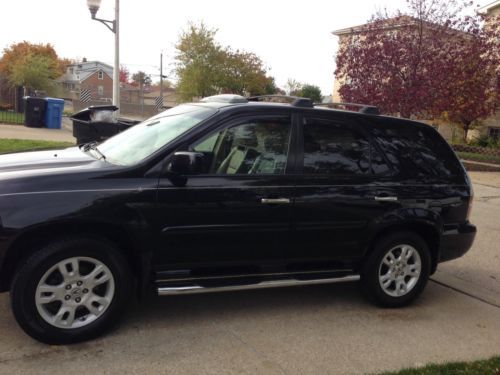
pixel 494 132
pixel 100 75
pixel 100 90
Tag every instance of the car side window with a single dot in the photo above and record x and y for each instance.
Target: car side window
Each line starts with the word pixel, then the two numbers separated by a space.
pixel 252 147
pixel 331 148
pixel 416 150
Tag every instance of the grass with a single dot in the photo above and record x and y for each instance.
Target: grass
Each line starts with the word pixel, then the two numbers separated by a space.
pixel 485 367
pixel 479 157
pixel 19 145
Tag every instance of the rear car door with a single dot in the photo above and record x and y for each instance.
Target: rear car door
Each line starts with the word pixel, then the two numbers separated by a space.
pixel 338 170
pixel 235 213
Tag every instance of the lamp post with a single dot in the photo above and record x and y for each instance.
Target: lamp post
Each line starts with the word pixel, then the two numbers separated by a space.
pixel 114 27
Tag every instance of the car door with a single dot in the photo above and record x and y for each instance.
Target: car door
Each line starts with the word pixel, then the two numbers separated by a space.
pixel 335 203
pixel 235 213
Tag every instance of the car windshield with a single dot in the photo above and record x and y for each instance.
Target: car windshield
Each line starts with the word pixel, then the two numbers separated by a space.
pixel 142 140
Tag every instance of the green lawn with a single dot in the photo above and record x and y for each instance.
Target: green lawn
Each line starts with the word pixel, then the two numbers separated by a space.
pixel 485 367
pixel 478 157
pixel 19 145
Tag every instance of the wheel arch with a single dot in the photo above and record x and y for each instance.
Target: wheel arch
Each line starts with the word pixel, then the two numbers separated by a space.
pixel 428 232
pixel 35 238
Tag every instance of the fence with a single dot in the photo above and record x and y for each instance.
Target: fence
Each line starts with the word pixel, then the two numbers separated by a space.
pixel 11 117
pixel 126 109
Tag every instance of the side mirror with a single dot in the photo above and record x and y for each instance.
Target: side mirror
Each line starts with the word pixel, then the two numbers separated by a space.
pixel 186 163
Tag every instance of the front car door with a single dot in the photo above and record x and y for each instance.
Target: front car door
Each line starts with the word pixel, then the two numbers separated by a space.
pixel 234 215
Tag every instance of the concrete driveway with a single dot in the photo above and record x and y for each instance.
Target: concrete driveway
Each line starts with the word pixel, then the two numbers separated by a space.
pixel 326 329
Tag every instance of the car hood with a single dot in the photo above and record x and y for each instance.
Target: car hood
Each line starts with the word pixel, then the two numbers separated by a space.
pixel 42 160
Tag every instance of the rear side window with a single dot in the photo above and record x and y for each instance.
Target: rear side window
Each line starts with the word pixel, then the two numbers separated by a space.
pixel 412 149
pixel 332 148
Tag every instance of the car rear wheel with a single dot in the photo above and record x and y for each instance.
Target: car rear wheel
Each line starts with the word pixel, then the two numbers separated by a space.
pixel 71 290
pixel 397 270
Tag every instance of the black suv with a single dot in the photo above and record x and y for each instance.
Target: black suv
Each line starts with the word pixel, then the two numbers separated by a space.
pixel 227 194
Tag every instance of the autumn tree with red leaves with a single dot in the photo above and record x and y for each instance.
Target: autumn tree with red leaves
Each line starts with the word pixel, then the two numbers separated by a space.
pixel 124 74
pixel 436 58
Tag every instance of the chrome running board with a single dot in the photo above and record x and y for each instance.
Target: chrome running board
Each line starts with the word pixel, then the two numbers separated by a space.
pixel 195 289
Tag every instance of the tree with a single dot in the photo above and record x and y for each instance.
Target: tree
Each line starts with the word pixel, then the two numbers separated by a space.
pixel 410 63
pixel 312 92
pixel 293 87
pixel 34 66
pixel 32 71
pixel 141 79
pixel 205 68
pixel 124 74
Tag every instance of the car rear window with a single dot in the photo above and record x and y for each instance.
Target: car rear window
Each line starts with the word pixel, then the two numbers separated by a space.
pixel 414 150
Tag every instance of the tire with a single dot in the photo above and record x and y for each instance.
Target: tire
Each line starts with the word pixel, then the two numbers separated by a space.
pixel 390 281
pixel 44 301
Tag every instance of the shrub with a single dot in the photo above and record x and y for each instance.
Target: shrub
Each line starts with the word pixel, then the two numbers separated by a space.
pixel 486 141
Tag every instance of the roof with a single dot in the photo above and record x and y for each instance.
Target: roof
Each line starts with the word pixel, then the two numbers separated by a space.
pixel 85 69
pixel 489 7
pixel 359 28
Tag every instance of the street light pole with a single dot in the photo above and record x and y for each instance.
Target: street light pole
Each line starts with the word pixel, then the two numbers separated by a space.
pixel 116 69
pixel 114 26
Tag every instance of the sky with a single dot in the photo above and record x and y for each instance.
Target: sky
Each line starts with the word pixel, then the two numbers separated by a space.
pixel 292 37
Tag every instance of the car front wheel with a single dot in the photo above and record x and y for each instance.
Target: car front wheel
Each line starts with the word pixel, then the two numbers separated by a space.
pixel 71 290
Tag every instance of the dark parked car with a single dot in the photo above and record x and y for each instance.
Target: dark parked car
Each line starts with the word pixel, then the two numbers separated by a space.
pixel 227 194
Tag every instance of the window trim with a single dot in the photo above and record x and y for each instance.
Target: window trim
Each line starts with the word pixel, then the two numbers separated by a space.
pixel 100 75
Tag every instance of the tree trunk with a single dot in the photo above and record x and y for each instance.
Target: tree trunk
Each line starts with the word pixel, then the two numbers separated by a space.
pixel 465 127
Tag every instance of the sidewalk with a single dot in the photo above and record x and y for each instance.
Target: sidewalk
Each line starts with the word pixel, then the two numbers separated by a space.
pixel 491 179
pixel 39 134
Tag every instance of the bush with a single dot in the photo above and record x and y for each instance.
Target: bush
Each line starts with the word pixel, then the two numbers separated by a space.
pixel 6 107
pixel 486 141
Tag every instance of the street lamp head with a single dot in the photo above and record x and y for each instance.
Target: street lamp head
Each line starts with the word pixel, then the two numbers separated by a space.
pixel 93 6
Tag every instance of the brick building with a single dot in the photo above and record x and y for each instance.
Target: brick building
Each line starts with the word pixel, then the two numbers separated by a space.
pixel 94 76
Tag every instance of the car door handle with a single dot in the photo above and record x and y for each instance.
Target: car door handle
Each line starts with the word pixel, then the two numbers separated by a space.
pixel 386 199
pixel 275 201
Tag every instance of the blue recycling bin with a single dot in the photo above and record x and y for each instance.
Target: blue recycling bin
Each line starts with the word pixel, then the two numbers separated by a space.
pixel 53 113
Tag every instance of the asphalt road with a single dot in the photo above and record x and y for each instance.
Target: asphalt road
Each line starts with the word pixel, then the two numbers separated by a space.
pixel 328 329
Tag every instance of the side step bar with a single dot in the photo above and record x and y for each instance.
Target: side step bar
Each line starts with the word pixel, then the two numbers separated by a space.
pixel 195 289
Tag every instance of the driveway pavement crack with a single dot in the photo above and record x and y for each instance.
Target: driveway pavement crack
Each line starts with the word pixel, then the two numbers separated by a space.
pixel 466 293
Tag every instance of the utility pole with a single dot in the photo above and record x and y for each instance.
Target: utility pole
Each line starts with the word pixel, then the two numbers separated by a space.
pixel 161 78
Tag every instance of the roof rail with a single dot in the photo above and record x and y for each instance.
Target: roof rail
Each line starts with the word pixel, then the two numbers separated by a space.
pixel 295 101
pixel 364 108
pixel 224 98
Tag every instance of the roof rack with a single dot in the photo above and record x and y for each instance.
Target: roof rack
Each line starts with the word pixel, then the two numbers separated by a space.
pixel 295 101
pixel 224 98
pixel 364 108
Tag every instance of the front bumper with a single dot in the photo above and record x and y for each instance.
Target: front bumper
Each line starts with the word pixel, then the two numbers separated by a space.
pixel 456 242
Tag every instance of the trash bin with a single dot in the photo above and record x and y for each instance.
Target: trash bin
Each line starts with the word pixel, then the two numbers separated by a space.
pixel 34 112
pixel 98 123
pixel 53 113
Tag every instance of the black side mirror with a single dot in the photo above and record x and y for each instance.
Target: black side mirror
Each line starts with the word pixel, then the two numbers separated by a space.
pixel 186 163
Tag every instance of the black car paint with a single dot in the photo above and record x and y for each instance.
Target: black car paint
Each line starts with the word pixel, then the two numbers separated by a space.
pixel 211 223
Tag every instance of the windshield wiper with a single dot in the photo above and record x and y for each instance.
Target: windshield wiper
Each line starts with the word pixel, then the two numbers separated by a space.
pixel 94 148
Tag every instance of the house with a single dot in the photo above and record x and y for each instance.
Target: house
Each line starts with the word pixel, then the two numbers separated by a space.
pixel 84 78
pixel 491 124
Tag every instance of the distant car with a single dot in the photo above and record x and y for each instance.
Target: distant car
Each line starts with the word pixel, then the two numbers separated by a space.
pixel 227 194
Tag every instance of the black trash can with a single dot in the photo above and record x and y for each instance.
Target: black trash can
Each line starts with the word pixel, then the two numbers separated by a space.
pixel 98 123
pixel 34 111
